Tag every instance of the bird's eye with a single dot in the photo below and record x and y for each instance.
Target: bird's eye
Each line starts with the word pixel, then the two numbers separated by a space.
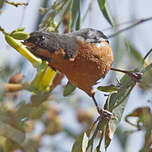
pixel 42 38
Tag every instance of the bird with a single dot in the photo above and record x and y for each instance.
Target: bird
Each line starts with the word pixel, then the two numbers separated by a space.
pixel 84 56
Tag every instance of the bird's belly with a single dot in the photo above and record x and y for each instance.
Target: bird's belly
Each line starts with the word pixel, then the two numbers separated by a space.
pixel 89 65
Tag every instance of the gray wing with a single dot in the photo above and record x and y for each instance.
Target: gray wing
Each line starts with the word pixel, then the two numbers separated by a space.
pixel 90 35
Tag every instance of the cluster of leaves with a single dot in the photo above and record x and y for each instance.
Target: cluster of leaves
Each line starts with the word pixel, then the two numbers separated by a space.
pixel 69 12
pixel 18 121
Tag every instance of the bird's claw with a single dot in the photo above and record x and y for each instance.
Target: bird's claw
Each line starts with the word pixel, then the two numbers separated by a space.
pixel 106 115
pixel 136 76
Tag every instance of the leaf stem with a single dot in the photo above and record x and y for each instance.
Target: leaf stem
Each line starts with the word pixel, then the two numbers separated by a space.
pixel 130 26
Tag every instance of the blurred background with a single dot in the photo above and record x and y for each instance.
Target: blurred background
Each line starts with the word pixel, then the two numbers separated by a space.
pixel 54 125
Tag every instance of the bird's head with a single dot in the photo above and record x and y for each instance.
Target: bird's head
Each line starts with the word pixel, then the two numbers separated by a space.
pixel 37 43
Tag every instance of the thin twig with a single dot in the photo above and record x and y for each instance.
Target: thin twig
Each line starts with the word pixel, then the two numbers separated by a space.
pixel 136 76
pixel 23 14
pixel 120 24
pixel 147 54
pixel 131 26
pixel 16 4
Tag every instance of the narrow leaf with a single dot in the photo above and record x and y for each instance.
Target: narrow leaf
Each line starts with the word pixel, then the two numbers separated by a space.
pixel 78 21
pixel 70 16
pixel 101 4
pixel 85 142
pixel 77 146
pixel 110 88
pixel 135 55
pixel 125 87
pixel 146 82
pixel 105 11
pixel 147 68
pixel 144 116
pixel 116 103
pixel 69 88
pixel 122 136
pixel 1 3
pixel 99 128
pixel 76 13
pixel 12 133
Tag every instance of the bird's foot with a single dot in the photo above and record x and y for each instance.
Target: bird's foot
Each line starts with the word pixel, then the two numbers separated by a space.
pixel 106 115
pixel 136 76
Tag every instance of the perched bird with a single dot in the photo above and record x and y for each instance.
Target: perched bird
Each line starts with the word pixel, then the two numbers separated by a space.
pixel 83 56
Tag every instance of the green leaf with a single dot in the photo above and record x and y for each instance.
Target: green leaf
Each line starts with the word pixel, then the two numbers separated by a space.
pixel 144 116
pixel 147 68
pixel 32 110
pixel 101 4
pixel 76 13
pixel 99 128
pixel 116 103
pixel 116 99
pixel 110 88
pixel 77 146
pixel 122 136
pixel 12 133
pixel 70 16
pixel 146 82
pixel 69 88
pixel 10 145
pixel 105 11
pixel 78 21
pixel 1 3
pixel 135 55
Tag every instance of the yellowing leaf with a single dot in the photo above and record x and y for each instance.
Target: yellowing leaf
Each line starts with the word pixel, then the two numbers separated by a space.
pixel 81 143
pixel 85 142
pixel 110 88
pixel 47 78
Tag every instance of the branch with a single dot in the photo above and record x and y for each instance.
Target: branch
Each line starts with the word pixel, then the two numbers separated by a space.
pixel 9 87
pixel 16 4
pixel 147 54
pixel 131 26
pixel 23 14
